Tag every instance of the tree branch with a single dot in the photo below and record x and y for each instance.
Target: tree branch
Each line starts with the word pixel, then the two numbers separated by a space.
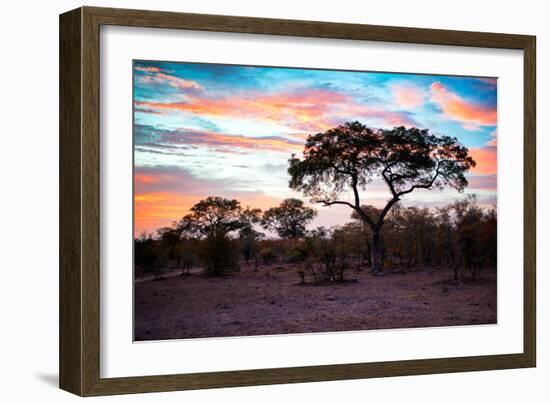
pixel 425 186
pixel 355 191
pixel 359 210
pixel 385 211
pixel 397 195
pixel 389 183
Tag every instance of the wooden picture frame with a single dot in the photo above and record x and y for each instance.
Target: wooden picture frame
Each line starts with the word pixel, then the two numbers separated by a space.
pixel 79 279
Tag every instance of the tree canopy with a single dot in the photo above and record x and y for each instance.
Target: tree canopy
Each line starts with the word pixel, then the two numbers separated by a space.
pixel 220 215
pixel 289 219
pixel 349 156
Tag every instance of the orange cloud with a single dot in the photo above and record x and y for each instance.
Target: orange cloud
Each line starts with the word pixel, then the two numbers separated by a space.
pixel 486 160
pixel 267 143
pixel 149 179
pixel 157 210
pixel 454 107
pixel 408 96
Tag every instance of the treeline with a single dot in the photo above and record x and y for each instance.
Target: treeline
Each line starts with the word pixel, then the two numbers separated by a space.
pixel 461 235
pixel 219 236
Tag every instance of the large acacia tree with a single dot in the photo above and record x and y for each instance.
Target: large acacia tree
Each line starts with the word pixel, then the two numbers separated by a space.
pixel 343 160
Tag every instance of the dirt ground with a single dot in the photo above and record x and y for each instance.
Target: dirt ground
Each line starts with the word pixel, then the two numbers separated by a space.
pixel 271 301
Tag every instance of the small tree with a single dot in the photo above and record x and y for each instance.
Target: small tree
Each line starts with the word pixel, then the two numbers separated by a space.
pixel 214 219
pixel 169 241
pixel 358 240
pixel 267 255
pixel 188 250
pixel 469 220
pixel 249 243
pixel 349 156
pixel 331 249
pixel 289 219
pixel 488 238
pixel 145 253
pixel 219 254
pixel 446 239
pixel 150 255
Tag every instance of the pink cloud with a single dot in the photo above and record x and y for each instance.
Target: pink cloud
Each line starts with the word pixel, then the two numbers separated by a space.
pixel 258 143
pixel 159 76
pixel 408 96
pixel 486 160
pixel 454 107
pixel 177 82
pixel 172 141
pixel 483 182
pixel 150 69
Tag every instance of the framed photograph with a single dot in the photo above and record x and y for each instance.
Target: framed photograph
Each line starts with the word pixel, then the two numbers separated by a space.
pixel 248 201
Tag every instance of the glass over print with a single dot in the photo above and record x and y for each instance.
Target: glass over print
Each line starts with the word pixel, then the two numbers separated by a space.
pixel 275 200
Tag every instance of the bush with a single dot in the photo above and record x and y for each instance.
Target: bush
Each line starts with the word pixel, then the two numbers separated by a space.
pixel 268 256
pixel 298 253
pixel 187 261
pixel 149 255
pixel 187 255
pixel 220 255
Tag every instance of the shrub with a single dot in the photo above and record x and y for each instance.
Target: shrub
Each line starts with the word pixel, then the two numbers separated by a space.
pixel 268 256
pixel 298 253
pixel 220 255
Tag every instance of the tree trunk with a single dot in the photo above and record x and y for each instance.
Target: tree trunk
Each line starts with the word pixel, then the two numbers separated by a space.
pixel 376 253
pixel 369 254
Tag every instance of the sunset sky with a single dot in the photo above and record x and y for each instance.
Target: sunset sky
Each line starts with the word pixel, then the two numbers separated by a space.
pixel 219 130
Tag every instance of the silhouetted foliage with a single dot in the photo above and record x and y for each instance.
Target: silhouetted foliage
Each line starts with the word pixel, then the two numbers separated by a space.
pixel 214 219
pixel 170 242
pixel 325 255
pixel 249 243
pixel 476 234
pixel 339 161
pixel 289 219
pixel 219 254
pixel 461 236
pixel 150 254
pixel 268 255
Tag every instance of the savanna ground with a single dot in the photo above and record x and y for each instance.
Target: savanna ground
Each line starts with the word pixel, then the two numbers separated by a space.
pixel 271 300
